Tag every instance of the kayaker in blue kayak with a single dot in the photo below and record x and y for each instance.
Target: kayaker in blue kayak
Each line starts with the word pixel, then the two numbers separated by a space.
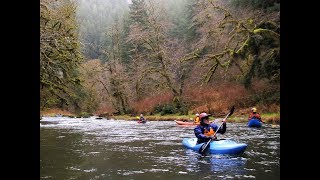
pixel 204 132
pixel 254 115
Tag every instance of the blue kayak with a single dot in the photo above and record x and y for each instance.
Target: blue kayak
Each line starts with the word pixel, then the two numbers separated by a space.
pixel 254 123
pixel 223 146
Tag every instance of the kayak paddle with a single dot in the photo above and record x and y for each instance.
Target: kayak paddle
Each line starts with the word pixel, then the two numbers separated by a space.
pixel 206 146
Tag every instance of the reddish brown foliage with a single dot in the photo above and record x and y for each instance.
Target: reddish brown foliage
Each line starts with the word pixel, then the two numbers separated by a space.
pixel 214 100
pixel 105 110
pixel 149 103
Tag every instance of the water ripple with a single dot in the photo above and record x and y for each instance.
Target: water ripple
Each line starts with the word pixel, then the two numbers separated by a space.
pixel 109 149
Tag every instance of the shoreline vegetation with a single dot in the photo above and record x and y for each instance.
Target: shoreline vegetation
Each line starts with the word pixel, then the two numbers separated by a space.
pixel 268 118
pixel 193 57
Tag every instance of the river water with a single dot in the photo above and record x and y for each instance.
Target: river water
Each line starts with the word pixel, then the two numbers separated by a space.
pixel 90 148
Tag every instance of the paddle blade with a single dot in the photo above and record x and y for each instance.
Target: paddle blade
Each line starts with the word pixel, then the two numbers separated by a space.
pixel 204 148
pixel 231 111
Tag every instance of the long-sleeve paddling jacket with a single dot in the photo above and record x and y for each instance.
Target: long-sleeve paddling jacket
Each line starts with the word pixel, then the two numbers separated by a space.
pixel 203 133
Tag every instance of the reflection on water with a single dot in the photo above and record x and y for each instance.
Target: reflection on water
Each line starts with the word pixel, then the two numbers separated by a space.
pixel 218 163
pixel 231 165
pixel 76 148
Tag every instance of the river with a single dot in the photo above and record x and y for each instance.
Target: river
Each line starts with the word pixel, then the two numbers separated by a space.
pixel 90 148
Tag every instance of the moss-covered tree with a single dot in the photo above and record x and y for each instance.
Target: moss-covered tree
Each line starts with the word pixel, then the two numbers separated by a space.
pixel 60 85
pixel 250 44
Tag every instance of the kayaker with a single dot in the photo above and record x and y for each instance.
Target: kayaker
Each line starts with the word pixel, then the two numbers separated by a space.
pixel 142 118
pixel 254 115
pixel 204 132
pixel 196 119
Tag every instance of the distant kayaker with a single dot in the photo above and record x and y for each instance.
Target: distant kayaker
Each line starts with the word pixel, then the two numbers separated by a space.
pixel 254 115
pixel 196 119
pixel 204 132
pixel 142 118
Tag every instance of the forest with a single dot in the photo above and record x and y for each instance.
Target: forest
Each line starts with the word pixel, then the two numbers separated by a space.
pixel 126 57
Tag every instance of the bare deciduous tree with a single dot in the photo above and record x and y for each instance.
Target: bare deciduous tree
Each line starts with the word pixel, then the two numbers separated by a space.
pixel 159 57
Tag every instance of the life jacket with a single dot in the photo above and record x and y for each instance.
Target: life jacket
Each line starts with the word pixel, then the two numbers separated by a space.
pixel 254 116
pixel 197 120
pixel 208 133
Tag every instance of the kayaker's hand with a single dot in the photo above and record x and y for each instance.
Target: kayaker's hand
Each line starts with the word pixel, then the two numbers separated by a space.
pixel 213 137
